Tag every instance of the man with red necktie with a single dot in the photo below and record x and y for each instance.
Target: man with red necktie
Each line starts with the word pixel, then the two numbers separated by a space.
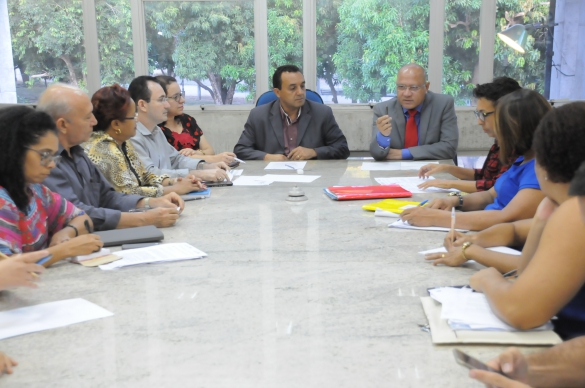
pixel 417 124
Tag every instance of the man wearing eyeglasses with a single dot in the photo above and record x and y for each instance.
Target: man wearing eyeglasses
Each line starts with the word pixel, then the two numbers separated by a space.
pixel 417 124
pixel 157 155
pixel 78 180
pixel 473 180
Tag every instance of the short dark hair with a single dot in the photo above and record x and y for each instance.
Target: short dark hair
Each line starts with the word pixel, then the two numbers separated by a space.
pixel 110 103
pixel 559 142
pixel 517 116
pixel 22 127
pixel 277 77
pixel 139 88
pixel 578 183
pixel 496 89
pixel 165 80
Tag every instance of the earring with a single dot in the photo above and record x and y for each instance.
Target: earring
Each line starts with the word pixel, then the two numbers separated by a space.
pixel 118 131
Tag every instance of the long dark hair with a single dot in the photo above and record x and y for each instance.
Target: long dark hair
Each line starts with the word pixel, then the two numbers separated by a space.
pixel 517 116
pixel 20 127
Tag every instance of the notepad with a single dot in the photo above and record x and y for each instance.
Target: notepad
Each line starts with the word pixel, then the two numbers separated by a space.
pixel 506 250
pixel 344 193
pixel 47 316
pixel 391 205
pixel 405 225
pixel 467 310
pixel 155 254
pixel 292 166
pixel 197 195
pixel 411 184
pixel 249 180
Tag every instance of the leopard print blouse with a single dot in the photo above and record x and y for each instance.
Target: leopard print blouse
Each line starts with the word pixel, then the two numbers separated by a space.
pixel 121 166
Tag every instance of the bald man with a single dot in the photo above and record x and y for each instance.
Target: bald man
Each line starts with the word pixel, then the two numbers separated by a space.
pixel 78 180
pixel 417 124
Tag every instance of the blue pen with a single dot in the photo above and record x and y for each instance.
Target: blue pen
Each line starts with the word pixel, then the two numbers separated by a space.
pixel 423 203
pixel 289 166
pixel 44 259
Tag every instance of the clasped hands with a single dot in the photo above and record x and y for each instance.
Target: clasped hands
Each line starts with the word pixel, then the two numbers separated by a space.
pixel 299 153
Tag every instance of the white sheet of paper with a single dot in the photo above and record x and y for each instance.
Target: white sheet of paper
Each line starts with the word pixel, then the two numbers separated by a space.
pixel 403 225
pixel 47 316
pixel 381 166
pixel 249 180
pixel 384 213
pixel 155 254
pixel 411 183
pixel 291 178
pixel 505 250
pixel 414 165
pixel 284 166
pixel 234 173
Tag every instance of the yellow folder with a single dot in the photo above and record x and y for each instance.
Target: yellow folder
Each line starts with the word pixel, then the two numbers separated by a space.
pixel 390 205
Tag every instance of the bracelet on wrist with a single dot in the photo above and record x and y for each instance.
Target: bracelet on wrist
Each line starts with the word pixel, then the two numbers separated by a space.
pixel 74 228
pixel 458 194
pixel 463 248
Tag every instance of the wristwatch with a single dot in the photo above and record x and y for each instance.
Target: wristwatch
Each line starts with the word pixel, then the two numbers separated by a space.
pixel 464 247
pixel 457 193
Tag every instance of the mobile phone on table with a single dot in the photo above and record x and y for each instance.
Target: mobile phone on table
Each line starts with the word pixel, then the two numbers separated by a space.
pixel 219 184
pixel 472 363
pixel 233 163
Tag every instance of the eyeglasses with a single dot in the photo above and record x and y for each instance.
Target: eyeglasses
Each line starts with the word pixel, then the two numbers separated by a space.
pixel 414 89
pixel 177 97
pixel 46 157
pixel 482 115
pixel 135 117
pixel 162 99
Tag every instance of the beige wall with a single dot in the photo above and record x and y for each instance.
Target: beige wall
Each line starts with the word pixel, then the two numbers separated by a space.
pixel 222 126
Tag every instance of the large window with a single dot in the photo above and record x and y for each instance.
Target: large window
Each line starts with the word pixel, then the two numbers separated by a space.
pixel 461 50
pixel 47 45
pixel 361 44
pixel 527 68
pixel 208 46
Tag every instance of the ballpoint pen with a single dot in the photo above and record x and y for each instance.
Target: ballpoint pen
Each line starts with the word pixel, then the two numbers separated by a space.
pixel 3 256
pixel 423 203
pixel 452 231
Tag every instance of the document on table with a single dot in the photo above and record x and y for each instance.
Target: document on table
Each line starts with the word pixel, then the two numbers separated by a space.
pixel 405 225
pixel 467 310
pixel 411 184
pixel 285 166
pixel 47 316
pixel 384 213
pixel 234 173
pixel 155 254
pixel 291 178
pixel 506 250
pixel 248 180
pixel 414 165
pixel 381 166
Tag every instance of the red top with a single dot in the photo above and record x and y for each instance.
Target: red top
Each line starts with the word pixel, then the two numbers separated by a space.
pixel 492 169
pixel 189 138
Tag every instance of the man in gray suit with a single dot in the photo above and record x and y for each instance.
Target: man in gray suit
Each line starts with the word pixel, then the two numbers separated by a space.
pixel 291 128
pixel 417 124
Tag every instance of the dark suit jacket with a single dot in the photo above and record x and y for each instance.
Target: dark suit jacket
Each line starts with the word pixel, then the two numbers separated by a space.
pixel 263 133
pixel 438 132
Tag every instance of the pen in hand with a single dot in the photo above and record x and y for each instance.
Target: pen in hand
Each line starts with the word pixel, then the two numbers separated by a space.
pixel 452 231
pixel 423 203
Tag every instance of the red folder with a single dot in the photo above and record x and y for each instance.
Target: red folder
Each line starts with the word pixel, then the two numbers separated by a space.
pixel 344 193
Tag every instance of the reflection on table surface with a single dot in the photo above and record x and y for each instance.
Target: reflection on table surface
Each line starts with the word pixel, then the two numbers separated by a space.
pixel 316 294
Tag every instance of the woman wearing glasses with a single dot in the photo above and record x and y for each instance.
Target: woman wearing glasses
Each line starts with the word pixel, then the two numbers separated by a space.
pixel 516 194
pixel 472 180
pixel 182 131
pixel 109 149
pixel 32 217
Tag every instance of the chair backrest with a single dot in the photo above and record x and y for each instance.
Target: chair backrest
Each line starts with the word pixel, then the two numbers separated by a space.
pixel 270 96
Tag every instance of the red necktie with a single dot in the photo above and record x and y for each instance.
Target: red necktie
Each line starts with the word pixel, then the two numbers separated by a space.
pixel 411 136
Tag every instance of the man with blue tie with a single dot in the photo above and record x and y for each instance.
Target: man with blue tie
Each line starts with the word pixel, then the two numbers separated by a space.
pixel 417 124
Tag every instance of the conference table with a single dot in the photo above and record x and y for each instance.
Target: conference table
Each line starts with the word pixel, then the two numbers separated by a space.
pixel 313 294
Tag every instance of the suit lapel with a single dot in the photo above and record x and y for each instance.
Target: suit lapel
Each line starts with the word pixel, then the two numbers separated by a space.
pixel 303 122
pixel 276 122
pixel 425 118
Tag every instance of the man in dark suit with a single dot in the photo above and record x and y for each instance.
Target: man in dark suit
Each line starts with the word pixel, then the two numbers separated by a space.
pixel 291 128
pixel 417 124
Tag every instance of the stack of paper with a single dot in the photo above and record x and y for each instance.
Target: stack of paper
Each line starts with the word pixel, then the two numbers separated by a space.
pixel 155 254
pixel 411 184
pixel 405 225
pixel 467 310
